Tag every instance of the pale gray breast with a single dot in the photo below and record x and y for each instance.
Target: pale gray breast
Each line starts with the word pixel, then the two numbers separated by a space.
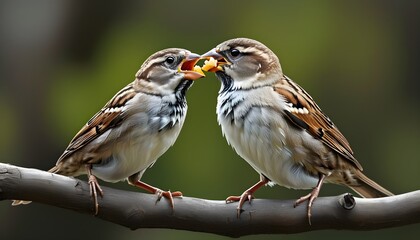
pixel 148 132
pixel 252 122
pixel 157 113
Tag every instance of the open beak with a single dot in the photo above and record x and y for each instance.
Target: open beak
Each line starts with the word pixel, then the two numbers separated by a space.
pixel 190 70
pixel 214 61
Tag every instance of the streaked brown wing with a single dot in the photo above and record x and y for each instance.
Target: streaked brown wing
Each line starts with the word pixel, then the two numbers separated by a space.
pixel 306 114
pixel 108 117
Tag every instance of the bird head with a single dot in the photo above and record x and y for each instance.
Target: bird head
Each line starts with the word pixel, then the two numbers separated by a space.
pixel 242 62
pixel 169 70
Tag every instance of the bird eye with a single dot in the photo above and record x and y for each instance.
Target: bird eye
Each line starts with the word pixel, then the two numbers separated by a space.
pixel 235 52
pixel 170 60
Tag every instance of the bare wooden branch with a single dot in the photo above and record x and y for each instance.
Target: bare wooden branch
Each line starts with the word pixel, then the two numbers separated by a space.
pixel 138 210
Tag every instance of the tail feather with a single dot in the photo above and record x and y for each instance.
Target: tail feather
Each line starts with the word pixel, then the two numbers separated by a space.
pixel 368 188
pixel 20 202
pixel 54 169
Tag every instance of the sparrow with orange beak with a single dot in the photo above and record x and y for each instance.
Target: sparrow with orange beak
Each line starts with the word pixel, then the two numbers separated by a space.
pixel 135 127
pixel 276 126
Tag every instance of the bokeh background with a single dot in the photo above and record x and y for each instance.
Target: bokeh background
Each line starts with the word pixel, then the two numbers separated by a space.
pixel 61 61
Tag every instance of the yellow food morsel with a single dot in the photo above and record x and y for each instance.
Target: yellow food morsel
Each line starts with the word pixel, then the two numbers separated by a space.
pixel 198 69
pixel 209 64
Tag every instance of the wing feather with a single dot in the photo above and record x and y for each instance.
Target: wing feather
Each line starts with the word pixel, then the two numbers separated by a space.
pixel 305 113
pixel 107 118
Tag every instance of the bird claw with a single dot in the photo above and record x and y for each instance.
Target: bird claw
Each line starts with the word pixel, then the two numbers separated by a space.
pixel 232 199
pixel 246 196
pixel 168 195
pixel 160 193
pixel 241 198
pixel 311 198
pixel 94 189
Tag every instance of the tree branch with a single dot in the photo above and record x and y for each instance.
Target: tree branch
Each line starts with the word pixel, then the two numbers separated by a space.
pixel 138 210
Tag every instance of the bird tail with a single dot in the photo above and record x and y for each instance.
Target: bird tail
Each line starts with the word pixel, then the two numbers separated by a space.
pixel 54 169
pixel 24 202
pixel 367 188
pixel 20 202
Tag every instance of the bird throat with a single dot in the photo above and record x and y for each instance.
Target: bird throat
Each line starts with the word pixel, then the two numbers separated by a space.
pixel 181 89
pixel 227 81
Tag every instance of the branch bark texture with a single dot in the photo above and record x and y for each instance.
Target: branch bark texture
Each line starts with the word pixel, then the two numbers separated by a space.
pixel 139 210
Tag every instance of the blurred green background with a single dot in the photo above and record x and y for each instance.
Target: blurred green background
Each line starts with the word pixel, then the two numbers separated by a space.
pixel 61 61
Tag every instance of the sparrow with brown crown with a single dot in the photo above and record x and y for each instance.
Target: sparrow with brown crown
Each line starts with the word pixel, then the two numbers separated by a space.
pixel 135 127
pixel 276 126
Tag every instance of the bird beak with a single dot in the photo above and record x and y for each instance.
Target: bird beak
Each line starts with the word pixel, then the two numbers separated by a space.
pixel 190 70
pixel 214 61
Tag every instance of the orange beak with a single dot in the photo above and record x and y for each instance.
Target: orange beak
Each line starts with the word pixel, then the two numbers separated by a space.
pixel 190 70
pixel 214 61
